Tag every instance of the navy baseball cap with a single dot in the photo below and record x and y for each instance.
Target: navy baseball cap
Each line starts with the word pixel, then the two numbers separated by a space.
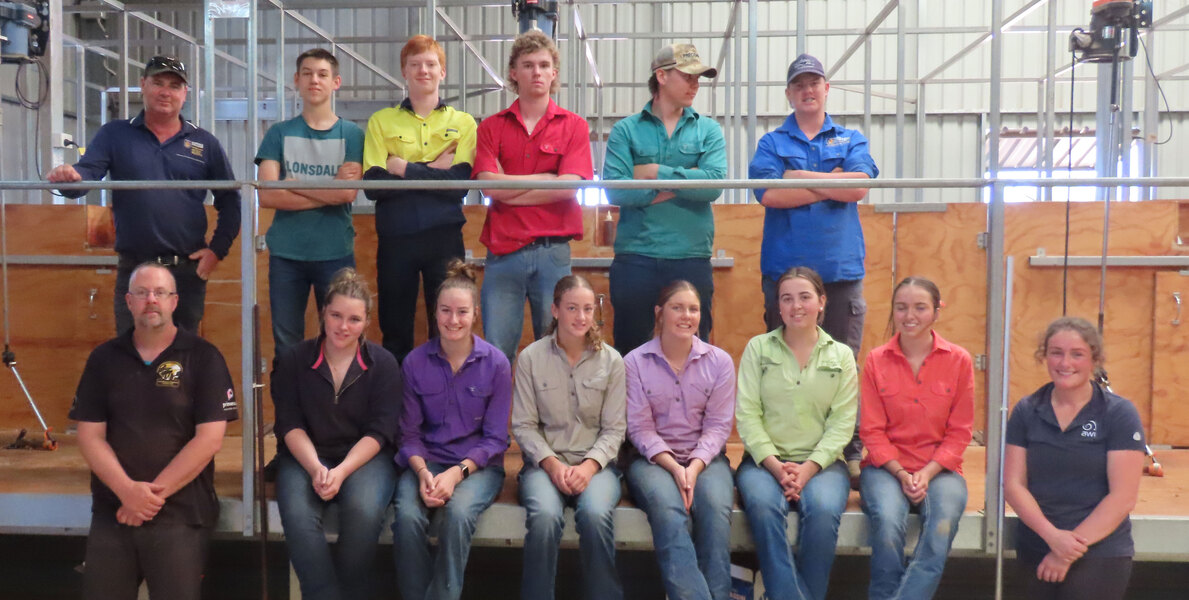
pixel 805 64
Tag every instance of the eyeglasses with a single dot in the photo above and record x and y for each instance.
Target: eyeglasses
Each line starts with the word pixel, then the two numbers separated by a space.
pixel 160 293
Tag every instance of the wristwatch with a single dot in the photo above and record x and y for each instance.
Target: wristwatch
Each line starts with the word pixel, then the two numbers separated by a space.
pixel 466 471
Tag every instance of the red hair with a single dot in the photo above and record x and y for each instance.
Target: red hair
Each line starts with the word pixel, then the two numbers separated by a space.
pixel 420 44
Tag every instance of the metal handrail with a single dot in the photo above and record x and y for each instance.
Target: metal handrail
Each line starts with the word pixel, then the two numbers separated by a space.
pixel 628 184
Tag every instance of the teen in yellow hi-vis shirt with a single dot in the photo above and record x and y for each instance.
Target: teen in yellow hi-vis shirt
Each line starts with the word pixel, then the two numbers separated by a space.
pixel 419 230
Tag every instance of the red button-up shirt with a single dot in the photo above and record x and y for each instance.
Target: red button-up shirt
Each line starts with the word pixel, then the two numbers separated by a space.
pixel 560 143
pixel 914 419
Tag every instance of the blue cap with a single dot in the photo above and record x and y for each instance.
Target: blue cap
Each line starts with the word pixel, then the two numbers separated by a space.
pixel 805 64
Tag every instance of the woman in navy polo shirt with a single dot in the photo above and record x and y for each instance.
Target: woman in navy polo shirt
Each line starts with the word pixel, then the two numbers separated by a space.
pixel 454 430
pixel 1072 466
pixel 337 410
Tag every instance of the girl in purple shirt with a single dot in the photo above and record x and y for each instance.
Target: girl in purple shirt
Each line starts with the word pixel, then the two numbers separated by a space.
pixel 681 407
pixel 454 431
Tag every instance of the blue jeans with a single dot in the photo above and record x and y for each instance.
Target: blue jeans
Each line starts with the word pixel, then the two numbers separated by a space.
pixel 362 500
pixel 654 491
pixel 289 283
pixel 637 281
pixel 807 575
pixel 418 575
pixel 887 509
pixel 594 514
pixel 530 272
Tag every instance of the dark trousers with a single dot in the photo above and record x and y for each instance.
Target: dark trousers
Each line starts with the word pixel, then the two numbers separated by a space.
pixel 846 311
pixel 1098 578
pixel 169 557
pixel 402 263
pixel 637 281
pixel 191 293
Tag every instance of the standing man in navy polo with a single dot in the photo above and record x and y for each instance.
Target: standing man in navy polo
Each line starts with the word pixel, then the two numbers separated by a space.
pixel 816 228
pixel 165 226
pixel 152 406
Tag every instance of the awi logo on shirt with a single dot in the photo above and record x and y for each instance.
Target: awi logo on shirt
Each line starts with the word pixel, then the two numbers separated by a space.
pixel 1090 429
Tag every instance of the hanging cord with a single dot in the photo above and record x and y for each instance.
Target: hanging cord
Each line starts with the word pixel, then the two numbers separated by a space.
pixel 1159 88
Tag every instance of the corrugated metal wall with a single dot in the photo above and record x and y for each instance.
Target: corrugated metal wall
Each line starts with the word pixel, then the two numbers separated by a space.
pixel 624 36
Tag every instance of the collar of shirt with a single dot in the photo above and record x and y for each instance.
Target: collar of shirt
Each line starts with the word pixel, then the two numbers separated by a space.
pixel 513 112
pixel 792 129
pixel 687 114
pixel 478 351
pixel 696 351
pixel 939 345
pixel 184 340
pixel 138 122
pixel 407 104
pixel 321 358
pixel 1090 412
pixel 776 337
pixel 559 352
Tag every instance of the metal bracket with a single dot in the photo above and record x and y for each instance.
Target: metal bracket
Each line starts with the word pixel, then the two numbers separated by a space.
pixel 261 245
pixel 980 362
pixel 982 239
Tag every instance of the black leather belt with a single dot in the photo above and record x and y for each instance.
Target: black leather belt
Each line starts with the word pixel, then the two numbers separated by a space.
pixel 550 240
pixel 168 260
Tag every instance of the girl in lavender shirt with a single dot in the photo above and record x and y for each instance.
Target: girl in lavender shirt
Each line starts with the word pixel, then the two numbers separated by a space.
pixel 681 406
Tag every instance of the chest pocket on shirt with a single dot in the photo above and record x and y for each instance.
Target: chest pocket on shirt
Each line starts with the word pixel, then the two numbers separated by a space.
pixel 434 400
pixel 550 396
pixel 646 153
pixel 552 150
pixel 793 154
pixel 832 157
pixel 185 164
pixel 591 394
pixel 472 401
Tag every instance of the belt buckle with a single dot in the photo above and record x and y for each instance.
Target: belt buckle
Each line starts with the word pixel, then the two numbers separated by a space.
pixel 169 261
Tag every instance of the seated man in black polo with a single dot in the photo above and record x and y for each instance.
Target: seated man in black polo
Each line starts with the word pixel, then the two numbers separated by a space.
pixel 152 406
pixel 155 225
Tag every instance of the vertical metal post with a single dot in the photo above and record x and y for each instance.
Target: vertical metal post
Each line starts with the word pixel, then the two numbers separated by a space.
pixel 247 266
pixel 901 51
pixel 280 66
pixel 1000 417
pixel 753 25
pixel 867 86
pixel 253 93
pixel 1125 118
pixel 124 79
pixel 80 100
pixel 1151 121
pixel 206 101
pixel 55 155
pixel 462 67
pixel 737 195
pixel 802 26
pixel 1049 122
pixel 431 17
pixel 196 83
pixel 996 279
pixel 920 149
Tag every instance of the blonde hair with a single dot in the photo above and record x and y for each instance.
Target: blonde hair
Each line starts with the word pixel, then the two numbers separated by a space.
pixel 527 43
pixel 594 335
pixel 347 282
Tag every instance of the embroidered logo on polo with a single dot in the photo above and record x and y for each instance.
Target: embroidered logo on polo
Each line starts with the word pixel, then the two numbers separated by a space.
pixel 1090 429
pixel 230 403
pixel 841 140
pixel 195 148
pixel 169 374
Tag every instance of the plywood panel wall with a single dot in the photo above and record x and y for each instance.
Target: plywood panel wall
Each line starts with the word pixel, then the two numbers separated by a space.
pixel 53 333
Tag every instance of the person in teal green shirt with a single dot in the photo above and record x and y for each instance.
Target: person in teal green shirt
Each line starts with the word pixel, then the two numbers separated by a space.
pixel 795 410
pixel 663 235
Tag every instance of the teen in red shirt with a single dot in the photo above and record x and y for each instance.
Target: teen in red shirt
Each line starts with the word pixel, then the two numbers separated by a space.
pixel 527 232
